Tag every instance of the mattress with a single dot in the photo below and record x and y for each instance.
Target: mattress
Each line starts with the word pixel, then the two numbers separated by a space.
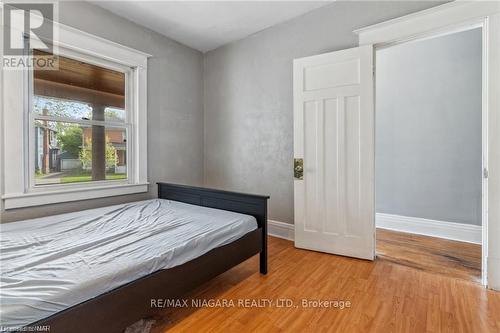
pixel 50 264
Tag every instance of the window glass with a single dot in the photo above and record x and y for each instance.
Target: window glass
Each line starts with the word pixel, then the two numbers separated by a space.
pixel 49 106
pixel 64 153
pixel 79 124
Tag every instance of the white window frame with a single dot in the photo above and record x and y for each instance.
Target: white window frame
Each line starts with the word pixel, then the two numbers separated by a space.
pixel 18 125
pixel 127 124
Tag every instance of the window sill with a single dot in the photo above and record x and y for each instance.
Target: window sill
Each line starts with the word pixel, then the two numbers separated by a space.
pixel 39 198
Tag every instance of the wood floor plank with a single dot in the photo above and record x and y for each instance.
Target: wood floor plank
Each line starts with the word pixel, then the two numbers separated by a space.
pixel 385 297
pixel 442 256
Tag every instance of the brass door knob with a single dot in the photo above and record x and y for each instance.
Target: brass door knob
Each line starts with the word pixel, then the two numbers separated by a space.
pixel 298 168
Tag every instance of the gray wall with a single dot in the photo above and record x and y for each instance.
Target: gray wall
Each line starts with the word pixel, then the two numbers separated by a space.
pixel 175 109
pixel 243 139
pixel 428 132
pixel 248 97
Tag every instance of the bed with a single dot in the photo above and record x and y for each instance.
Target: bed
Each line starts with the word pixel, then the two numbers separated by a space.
pixel 97 270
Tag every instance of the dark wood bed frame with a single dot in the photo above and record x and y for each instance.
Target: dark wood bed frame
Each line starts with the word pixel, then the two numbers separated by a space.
pixel 113 311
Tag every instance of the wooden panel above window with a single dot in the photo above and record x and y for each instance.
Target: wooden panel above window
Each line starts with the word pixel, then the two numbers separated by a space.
pixel 81 81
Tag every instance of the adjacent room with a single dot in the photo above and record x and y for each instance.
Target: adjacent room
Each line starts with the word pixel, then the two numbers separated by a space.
pixel 428 160
pixel 249 166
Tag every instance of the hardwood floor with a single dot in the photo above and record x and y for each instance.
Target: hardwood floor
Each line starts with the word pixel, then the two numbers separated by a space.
pixel 451 258
pixel 383 296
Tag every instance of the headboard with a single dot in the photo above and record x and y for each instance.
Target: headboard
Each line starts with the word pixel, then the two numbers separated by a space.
pixel 250 204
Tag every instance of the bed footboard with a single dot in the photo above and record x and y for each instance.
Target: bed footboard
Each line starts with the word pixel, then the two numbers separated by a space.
pixel 250 204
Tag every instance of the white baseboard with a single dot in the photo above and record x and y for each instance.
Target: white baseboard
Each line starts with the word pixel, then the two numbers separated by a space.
pixel 449 230
pixel 494 273
pixel 281 230
pixel 415 225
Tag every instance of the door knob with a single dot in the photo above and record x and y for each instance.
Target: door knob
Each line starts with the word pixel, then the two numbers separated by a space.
pixel 298 168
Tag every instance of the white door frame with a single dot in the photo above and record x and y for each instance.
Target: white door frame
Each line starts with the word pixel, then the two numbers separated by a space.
pixel 444 19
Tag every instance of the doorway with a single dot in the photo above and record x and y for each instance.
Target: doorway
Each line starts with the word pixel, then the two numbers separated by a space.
pixel 429 148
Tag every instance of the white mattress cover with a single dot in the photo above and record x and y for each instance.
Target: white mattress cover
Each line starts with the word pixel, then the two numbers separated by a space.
pixel 52 263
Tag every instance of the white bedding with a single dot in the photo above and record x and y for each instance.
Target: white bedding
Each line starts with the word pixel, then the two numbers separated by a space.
pixel 52 263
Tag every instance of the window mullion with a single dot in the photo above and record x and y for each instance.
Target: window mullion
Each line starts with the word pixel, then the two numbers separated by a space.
pixel 79 121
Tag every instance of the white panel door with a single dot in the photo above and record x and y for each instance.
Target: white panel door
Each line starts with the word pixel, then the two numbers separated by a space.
pixel 334 135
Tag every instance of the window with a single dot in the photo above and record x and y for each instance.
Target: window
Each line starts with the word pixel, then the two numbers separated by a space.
pixel 78 112
pixel 78 131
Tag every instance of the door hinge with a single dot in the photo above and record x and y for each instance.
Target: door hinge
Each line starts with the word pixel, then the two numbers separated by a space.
pixel 485 173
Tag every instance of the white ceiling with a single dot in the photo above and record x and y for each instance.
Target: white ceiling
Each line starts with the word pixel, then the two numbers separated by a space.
pixel 206 25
